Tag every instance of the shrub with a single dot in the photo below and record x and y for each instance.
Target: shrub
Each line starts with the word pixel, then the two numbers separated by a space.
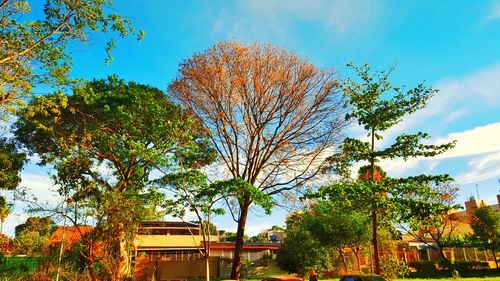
pixel 463 266
pixel 393 268
pixel 423 265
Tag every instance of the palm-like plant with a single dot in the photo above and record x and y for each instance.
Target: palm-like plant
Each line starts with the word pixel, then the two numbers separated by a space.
pixel 5 210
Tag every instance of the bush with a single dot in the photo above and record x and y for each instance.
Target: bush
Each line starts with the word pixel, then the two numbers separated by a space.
pixel 423 265
pixel 464 266
pixel 393 268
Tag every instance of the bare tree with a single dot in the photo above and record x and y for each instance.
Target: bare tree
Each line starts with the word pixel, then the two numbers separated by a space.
pixel 272 117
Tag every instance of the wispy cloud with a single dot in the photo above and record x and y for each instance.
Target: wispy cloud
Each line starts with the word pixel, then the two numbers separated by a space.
pixel 457 100
pixel 479 148
pixel 494 11
pixel 280 19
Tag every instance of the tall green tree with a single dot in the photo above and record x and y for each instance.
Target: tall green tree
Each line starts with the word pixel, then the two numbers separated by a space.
pixel 486 226
pixel 34 37
pixel 103 142
pixel 5 210
pixel 377 105
pixel 338 227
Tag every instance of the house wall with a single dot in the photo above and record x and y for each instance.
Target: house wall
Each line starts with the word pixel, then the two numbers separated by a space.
pixel 169 240
pixel 156 269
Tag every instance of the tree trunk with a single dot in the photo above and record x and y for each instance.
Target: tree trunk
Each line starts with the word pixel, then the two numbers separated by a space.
pixel 343 260
pixel 356 254
pixel 207 266
pixel 240 234
pixel 1 227
pixel 121 268
pixel 374 206
pixel 93 275
pixel 375 241
pixel 451 267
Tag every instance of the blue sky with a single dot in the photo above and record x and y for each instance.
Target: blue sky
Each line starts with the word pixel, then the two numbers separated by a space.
pixel 452 45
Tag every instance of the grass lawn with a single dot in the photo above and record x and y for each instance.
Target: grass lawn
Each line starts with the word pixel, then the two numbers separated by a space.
pixel 431 279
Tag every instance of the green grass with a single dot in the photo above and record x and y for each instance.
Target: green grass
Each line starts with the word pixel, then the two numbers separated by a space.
pixel 430 279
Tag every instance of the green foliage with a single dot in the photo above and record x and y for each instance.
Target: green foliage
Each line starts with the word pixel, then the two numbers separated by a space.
pixel 231 237
pixel 393 268
pixel 32 237
pixel 259 238
pixel 5 210
pixel 300 251
pixel 377 105
pixel 336 227
pixel 34 44
pixel 11 163
pixel 43 225
pixel 464 266
pixel 486 227
pixel 103 142
pixel 423 265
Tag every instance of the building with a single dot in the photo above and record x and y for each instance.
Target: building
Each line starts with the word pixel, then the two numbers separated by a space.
pixel 174 251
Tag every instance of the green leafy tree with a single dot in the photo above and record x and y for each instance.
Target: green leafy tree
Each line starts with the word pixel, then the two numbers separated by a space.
pixel 377 105
pixel 34 41
pixel 271 116
pixel 11 164
pixel 103 142
pixel 5 210
pixel 486 226
pixel 430 218
pixel 32 237
pixel 259 238
pixel 338 228
pixel 300 252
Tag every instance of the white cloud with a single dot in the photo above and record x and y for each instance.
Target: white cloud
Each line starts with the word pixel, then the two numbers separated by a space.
pixel 479 140
pixel 251 229
pixel 479 147
pixel 273 19
pixel 495 11
pixel 456 100
pixel 36 186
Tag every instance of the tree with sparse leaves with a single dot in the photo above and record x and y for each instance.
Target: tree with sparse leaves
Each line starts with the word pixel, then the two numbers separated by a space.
pixel 377 105
pixel 192 192
pixel 271 116
pixel 34 41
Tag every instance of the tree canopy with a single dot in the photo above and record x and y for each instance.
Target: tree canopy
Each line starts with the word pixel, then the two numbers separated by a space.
pixel 34 41
pixel 11 164
pixel 271 116
pixel 103 142
pixel 486 226
pixel 377 105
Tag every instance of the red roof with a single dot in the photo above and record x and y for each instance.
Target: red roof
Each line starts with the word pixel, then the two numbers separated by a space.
pixel 72 235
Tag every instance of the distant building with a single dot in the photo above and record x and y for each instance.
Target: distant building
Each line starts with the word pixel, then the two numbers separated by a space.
pixel 275 236
pixel 170 250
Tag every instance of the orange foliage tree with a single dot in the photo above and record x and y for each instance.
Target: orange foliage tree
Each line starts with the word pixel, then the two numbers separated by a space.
pixel 271 115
